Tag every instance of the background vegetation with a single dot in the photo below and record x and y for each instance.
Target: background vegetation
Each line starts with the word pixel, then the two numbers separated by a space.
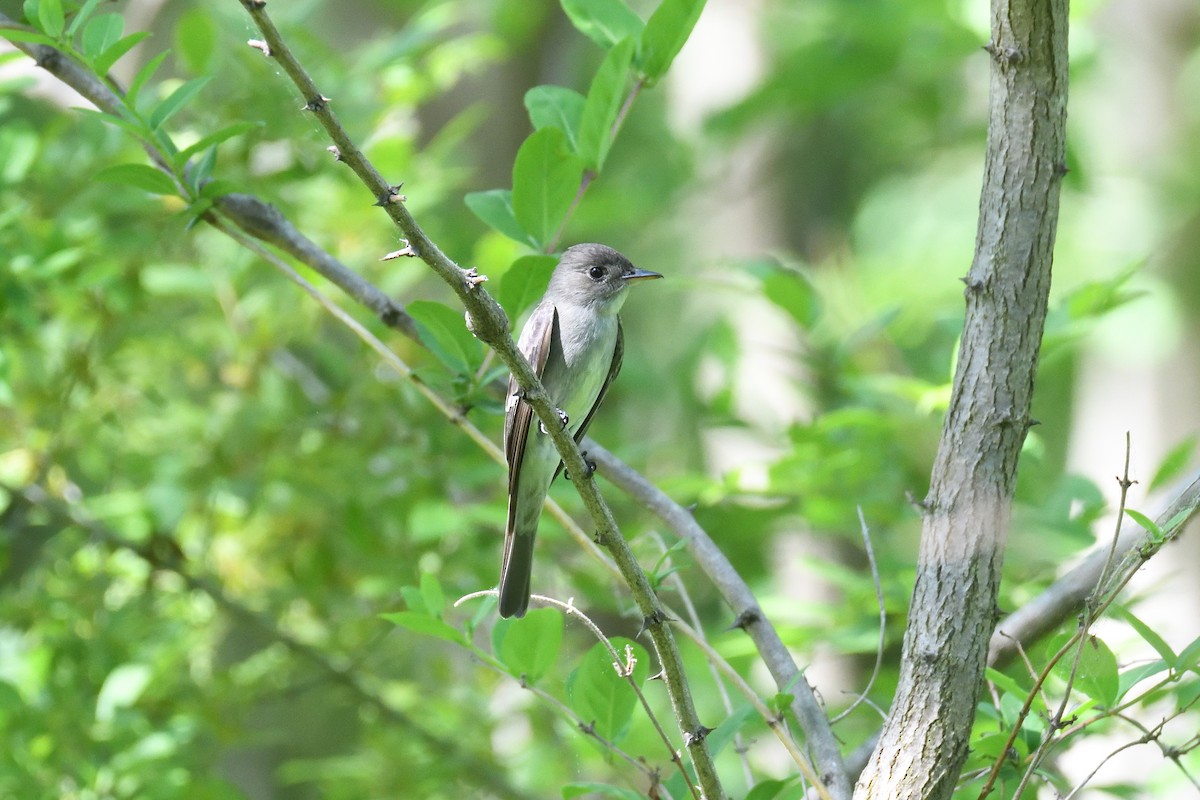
pixel 210 490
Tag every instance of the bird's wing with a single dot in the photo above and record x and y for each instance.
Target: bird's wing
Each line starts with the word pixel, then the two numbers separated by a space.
pixel 613 369
pixel 536 341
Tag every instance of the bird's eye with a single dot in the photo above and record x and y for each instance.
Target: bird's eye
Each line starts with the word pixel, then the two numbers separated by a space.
pixel 596 273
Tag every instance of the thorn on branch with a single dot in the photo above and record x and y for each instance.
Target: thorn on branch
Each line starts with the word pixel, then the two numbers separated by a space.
pixel 972 283
pixel 255 5
pixel 922 506
pixel 661 675
pixel 404 252
pixel 335 152
pixel 472 278
pixel 657 617
pixel 697 736
pixel 1061 169
pixel 1006 56
pixel 48 58
pixel 316 104
pixel 261 46
pixel 588 728
pixel 392 195
pixel 744 620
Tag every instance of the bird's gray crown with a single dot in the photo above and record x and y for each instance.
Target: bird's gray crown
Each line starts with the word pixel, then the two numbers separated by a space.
pixel 590 274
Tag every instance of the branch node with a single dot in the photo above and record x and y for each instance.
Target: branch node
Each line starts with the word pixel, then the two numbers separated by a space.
pixel 1061 169
pixel 472 278
pixel 254 5
pixel 1005 56
pixel 335 152
pixel 695 737
pixel 316 104
pixel 404 252
pixel 922 506
pixel 392 195
pixel 744 620
pixel 261 46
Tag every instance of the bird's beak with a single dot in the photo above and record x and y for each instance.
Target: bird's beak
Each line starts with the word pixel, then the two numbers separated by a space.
pixel 640 275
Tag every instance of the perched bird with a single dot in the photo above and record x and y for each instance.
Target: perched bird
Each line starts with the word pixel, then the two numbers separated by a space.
pixel 573 341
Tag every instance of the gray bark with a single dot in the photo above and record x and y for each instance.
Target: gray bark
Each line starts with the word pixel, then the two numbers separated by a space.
pixel 924 741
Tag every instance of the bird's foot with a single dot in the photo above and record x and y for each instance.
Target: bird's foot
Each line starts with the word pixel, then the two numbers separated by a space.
pixel 562 415
pixel 591 466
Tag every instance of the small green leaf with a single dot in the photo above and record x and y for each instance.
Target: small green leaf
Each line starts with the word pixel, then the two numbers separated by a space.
pixel 432 594
pixel 495 208
pixel 666 32
pixel 202 170
pixel 1173 463
pixel 1147 633
pixel 529 646
pixel 589 789
pixel 176 100
pixel 132 128
pixel 138 175
pixel 556 107
pixel 215 138
pixel 605 22
pixel 33 37
pixel 1097 676
pixel 1189 657
pixel 599 695
pixel 221 187
pixel 101 33
pixel 51 18
pixel 524 283
pixel 546 176
pixel 123 686
pixel 791 292
pixel 1147 523
pixel 196 39
pixel 1135 675
pixel 444 331
pixel 82 16
pixel 604 99
pixel 766 790
pixel 728 728
pixel 143 76
pixel 426 626
pixel 105 61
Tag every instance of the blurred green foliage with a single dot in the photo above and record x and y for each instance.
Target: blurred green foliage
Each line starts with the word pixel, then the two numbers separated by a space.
pixel 262 603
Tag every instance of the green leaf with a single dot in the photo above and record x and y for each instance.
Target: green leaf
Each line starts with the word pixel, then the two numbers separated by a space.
pixel 495 208
pixel 176 100
pixel 33 37
pixel 51 18
pixel 426 625
pixel 529 646
pixel 1173 463
pixel 215 138
pixel 791 292
pixel 202 170
pixel 666 32
pixel 1189 657
pixel 143 75
pixel 123 686
pixel 601 696
pixel 766 790
pixel 604 99
pixel 728 728
pixel 432 594
pixel 1135 675
pixel 130 127
pixel 524 283
pixel 101 33
pixel 1097 677
pixel 196 39
pixel 556 107
pixel 1147 633
pixel 605 22
pixel 546 177
pixel 138 175
pixel 444 331
pixel 105 61
pixel 82 16
pixel 1148 524
pixel 589 789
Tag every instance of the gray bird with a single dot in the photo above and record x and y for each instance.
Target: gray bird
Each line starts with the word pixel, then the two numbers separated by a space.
pixel 573 341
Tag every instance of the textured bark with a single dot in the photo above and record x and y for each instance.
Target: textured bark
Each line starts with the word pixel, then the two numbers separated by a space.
pixel 924 741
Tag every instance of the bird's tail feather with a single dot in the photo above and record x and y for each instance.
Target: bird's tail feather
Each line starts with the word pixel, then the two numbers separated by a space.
pixel 515 572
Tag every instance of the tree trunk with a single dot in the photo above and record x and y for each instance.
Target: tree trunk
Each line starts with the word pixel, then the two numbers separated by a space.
pixel 924 741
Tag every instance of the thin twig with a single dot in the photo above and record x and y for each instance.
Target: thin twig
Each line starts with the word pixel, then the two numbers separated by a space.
pixel 866 534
